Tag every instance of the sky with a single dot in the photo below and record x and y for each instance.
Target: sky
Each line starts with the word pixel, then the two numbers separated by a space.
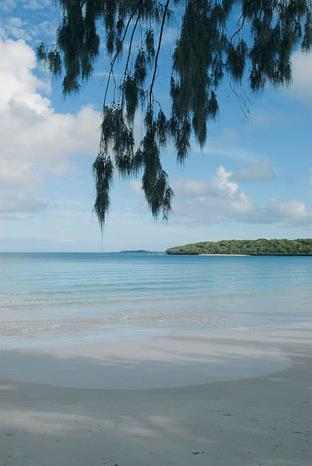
pixel 253 178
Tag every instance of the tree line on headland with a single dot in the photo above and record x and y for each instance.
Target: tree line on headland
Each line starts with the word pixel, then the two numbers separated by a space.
pixel 259 247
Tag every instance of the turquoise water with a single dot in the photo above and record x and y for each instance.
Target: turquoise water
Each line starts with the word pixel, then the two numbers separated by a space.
pixel 57 296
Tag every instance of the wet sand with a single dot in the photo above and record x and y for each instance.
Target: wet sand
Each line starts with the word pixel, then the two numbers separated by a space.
pixel 231 399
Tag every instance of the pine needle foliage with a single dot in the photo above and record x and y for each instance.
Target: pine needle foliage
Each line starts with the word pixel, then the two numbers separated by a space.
pixel 211 44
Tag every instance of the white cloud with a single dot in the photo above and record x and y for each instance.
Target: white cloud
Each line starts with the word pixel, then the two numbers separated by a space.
pixel 20 204
pixel 35 139
pixel 221 200
pixel 259 170
pixel 225 146
pixel 36 4
pixel 219 149
pixel 301 87
pixel 294 209
pixel 15 27
pixel 7 5
pixel 190 187
pixel 223 182
pixel 215 200
pixel 285 212
pixel 267 116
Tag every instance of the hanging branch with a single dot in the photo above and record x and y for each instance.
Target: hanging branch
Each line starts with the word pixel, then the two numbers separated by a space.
pixel 129 52
pixel 158 50
pixel 116 56
pixel 255 50
pixel 240 24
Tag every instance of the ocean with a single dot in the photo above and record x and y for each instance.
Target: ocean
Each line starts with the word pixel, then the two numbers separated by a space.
pixel 48 298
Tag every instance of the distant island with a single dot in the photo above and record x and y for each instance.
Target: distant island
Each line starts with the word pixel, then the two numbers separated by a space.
pixel 135 251
pixel 259 247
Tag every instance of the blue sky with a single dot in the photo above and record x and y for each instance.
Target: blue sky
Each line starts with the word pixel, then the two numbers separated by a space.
pixel 252 179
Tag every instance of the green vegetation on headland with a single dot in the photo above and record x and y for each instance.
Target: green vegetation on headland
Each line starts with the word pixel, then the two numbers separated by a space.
pixel 259 247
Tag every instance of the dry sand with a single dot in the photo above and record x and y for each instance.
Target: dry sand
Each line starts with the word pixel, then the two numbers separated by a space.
pixel 236 399
pixel 226 255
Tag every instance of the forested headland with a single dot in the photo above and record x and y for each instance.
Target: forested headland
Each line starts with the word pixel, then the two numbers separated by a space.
pixel 259 247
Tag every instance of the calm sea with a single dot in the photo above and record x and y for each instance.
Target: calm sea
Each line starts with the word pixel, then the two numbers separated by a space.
pixel 65 297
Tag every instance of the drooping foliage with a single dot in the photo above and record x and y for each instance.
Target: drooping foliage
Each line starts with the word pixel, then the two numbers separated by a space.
pixel 241 39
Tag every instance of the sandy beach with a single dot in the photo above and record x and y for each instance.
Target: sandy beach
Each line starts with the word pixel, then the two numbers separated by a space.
pixel 231 399
pixel 225 255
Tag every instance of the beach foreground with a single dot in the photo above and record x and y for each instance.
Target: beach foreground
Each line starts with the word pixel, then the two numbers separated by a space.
pixel 54 412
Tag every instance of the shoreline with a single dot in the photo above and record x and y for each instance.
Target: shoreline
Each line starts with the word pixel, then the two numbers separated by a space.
pixel 228 255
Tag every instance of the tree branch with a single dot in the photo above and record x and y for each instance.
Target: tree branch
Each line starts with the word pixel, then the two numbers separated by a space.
pixel 129 51
pixel 158 50
pixel 116 56
pixel 241 19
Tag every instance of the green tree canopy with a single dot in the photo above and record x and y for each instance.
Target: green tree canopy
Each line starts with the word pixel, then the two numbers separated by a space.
pixel 243 39
pixel 258 247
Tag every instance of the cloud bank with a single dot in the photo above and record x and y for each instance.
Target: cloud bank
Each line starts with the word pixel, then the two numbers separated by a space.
pixel 220 200
pixel 36 140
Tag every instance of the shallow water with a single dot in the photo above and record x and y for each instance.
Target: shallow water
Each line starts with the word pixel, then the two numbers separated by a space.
pixel 59 298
